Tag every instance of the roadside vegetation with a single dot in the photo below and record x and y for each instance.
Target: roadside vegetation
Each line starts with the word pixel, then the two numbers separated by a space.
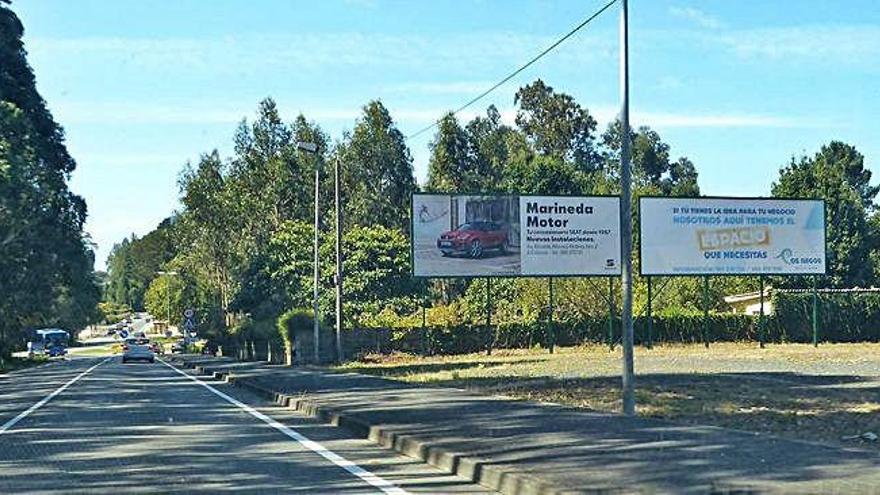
pixel 821 394
pixel 46 262
pixel 17 363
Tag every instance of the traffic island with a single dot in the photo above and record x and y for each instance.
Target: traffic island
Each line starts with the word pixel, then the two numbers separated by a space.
pixel 519 447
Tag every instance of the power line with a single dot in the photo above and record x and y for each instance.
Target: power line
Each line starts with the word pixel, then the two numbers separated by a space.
pixel 517 71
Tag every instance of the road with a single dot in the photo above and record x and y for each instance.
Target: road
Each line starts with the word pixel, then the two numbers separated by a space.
pixel 151 429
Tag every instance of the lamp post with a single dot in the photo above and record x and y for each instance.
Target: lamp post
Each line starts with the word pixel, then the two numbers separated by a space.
pixel 168 295
pixel 312 149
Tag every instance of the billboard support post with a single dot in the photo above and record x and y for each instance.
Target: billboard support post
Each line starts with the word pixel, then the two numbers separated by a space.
pixel 706 311
pixel 551 329
pixel 650 337
pixel 761 315
pixel 489 315
pixel 815 315
pixel 611 313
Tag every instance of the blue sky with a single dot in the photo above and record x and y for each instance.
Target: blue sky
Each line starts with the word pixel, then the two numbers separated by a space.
pixel 737 86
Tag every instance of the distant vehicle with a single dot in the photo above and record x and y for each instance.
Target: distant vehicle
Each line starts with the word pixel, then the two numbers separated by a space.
pixel 473 239
pixel 137 350
pixel 56 351
pixel 111 331
pixel 178 347
pixel 43 339
pixel 210 349
pixel 157 348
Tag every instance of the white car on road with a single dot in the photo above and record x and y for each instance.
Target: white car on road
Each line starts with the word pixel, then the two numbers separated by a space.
pixel 137 349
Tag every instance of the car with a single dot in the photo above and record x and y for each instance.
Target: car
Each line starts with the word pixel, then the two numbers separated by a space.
pixel 178 347
pixel 157 348
pixel 56 351
pixel 137 350
pixel 473 239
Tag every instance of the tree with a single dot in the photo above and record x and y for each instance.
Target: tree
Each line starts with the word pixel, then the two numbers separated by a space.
pixel 378 173
pixel 450 167
pixel 556 125
pixel 653 171
pixel 46 260
pixel 837 174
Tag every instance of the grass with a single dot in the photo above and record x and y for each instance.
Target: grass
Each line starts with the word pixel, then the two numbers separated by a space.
pixel 16 363
pixel 792 390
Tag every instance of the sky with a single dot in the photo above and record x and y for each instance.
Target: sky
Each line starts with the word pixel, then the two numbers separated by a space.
pixel 739 87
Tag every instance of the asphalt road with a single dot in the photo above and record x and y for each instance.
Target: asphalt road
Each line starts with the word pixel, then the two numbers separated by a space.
pixel 143 428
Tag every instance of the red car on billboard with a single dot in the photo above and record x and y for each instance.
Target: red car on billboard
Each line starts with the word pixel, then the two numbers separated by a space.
pixel 473 239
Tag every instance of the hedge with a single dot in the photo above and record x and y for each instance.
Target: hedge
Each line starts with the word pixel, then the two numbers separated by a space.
pixel 842 318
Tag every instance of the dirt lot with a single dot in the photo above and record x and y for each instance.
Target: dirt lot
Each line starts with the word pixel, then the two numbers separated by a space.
pixel 792 390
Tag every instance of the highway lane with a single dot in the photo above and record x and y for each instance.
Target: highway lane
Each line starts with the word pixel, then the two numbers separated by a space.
pixel 148 429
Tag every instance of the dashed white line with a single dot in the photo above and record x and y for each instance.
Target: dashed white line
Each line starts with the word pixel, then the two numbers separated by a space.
pixel 12 422
pixel 373 480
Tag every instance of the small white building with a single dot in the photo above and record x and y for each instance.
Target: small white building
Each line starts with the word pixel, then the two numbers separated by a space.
pixel 750 302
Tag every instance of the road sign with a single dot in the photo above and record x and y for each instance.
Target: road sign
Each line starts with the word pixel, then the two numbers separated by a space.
pixel 189 313
pixel 124 334
pixel 189 325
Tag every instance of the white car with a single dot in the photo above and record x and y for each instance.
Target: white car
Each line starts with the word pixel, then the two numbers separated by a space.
pixel 137 350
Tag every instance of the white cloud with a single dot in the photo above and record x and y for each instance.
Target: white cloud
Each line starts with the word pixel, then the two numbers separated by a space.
pixel 404 116
pixel 836 44
pixel 696 16
pixel 442 88
pixel 329 51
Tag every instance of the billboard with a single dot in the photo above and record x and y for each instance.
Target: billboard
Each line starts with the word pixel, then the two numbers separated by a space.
pixel 471 235
pixel 731 236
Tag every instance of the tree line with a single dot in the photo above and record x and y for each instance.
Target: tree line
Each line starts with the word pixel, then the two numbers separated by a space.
pixel 241 244
pixel 46 260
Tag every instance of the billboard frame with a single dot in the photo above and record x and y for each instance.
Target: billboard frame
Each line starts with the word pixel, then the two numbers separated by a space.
pixel 758 198
pixel 412 265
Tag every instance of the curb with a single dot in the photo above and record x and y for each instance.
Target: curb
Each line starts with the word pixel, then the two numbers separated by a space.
pixel 482 471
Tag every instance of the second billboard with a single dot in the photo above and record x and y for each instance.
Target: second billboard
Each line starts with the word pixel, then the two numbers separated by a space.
pixel 529 236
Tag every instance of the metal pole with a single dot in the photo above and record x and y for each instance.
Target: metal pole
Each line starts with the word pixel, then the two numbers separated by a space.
pixel 611 313
pixel 650 315
pixel 551 331
pixel 761 316
pixel 706 311
pixel 315 288
pixel 168 304
pixel 629 397
pixel 338 195
pixel 489 314
pixel 815 315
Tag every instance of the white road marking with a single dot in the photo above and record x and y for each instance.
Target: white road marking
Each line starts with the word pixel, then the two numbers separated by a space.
pixel 12 422
pixel 370 478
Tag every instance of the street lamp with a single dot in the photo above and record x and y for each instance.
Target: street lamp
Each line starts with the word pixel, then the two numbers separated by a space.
pixel 312 149
pixel 168 294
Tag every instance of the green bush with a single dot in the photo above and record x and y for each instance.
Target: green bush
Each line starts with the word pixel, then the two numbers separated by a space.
pixel 842 317
pixel 287 325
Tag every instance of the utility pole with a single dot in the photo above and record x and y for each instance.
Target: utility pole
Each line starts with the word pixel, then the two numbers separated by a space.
pixel 338 196
pixel 629 399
